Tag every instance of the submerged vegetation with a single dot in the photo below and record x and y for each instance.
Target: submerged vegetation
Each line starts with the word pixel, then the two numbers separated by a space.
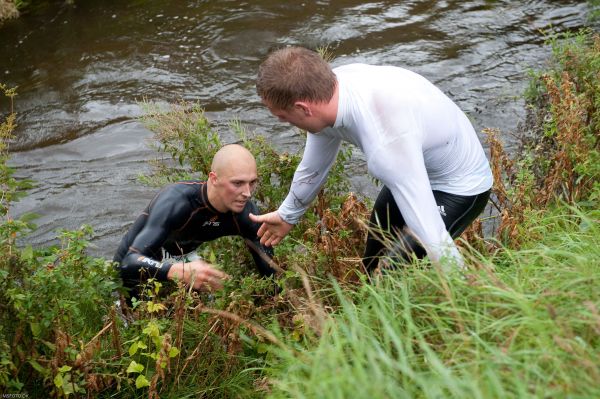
pixel 522 321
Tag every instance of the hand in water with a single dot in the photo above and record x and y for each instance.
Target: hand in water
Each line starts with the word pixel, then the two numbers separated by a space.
pixel 273 228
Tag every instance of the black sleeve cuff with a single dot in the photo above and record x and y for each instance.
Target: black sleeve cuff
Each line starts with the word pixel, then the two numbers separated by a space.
pixel 163 270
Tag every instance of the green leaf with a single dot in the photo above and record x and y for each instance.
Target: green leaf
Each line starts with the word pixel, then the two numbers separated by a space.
pixel 262 348
pixel 155 307
pixel 17 296
pixel 50 345
pixel 58 380
pixel 38 367
pixel 151 330
pixel 35 329
pixel 135 367
pixel 141 381
pixel 173 352
pixel 67 386
pixel 157 286
pixel 133 348
pixel 64 369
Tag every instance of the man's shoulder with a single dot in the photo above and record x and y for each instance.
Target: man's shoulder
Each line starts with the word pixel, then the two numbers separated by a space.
pixel 179 193
pixel 188 183
pixel 183 187
pixel 371 71
pixel 350 68
pixel 361 67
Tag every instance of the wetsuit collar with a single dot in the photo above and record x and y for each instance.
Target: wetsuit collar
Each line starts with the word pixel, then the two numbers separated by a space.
pixel 204 198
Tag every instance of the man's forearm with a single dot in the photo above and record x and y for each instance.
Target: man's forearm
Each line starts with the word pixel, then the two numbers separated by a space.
pixel 134 264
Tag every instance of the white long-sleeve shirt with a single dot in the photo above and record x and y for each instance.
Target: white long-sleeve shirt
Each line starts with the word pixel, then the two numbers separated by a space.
pixel 415 140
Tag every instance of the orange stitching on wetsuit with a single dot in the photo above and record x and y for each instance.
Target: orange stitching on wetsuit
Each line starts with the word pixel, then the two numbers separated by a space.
pixel 191 183
pixel 133 249
pixel 191 217
pixel 203 195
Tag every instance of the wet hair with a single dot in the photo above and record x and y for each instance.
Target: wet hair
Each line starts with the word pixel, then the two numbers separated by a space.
pixel 295 74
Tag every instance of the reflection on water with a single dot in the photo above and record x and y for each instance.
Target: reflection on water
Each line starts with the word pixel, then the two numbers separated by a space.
pixel 82 68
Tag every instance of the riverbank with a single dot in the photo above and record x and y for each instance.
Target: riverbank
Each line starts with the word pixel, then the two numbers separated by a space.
pixel 523 321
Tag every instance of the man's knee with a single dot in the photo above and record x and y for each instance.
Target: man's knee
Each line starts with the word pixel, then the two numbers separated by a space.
pixel 399 250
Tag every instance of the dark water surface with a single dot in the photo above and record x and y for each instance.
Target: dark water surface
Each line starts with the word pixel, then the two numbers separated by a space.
pixel 81 70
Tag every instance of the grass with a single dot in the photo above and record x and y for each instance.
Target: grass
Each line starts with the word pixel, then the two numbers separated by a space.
pixel 522 324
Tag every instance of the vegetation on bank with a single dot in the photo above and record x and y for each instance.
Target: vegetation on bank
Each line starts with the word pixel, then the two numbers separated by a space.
pixel 9 9
pixel 522 321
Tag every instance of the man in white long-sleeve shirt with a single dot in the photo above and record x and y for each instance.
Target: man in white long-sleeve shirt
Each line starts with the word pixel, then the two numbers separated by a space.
pixel 417 142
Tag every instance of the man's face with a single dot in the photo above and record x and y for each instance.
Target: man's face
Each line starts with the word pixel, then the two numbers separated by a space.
pixel 299 116
pixel 234 186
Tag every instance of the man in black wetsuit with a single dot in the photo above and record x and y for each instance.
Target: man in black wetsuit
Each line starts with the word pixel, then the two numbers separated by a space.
pixel 186 214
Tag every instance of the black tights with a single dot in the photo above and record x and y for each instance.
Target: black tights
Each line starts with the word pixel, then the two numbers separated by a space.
pixel 387 224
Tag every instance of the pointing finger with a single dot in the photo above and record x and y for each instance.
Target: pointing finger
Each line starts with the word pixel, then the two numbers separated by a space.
pixel 256 218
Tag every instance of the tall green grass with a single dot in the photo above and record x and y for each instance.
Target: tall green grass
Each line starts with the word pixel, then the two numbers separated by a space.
pixel 524 323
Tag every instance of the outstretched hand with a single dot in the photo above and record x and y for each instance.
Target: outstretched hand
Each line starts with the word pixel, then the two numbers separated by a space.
pixel 273 228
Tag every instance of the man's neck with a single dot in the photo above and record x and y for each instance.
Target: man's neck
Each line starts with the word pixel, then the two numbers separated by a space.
pixel 330 109
pixel 212 199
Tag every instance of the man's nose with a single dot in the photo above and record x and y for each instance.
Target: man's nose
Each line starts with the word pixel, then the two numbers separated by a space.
pixel 247 191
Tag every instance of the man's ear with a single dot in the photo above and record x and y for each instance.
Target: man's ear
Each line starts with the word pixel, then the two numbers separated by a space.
pixel 212 176
pixel 305 107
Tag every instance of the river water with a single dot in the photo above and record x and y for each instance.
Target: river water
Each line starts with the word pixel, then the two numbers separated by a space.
pixel 82 69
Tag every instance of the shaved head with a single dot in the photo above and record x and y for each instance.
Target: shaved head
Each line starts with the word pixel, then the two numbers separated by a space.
pixel 232 179
pixel 231 158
